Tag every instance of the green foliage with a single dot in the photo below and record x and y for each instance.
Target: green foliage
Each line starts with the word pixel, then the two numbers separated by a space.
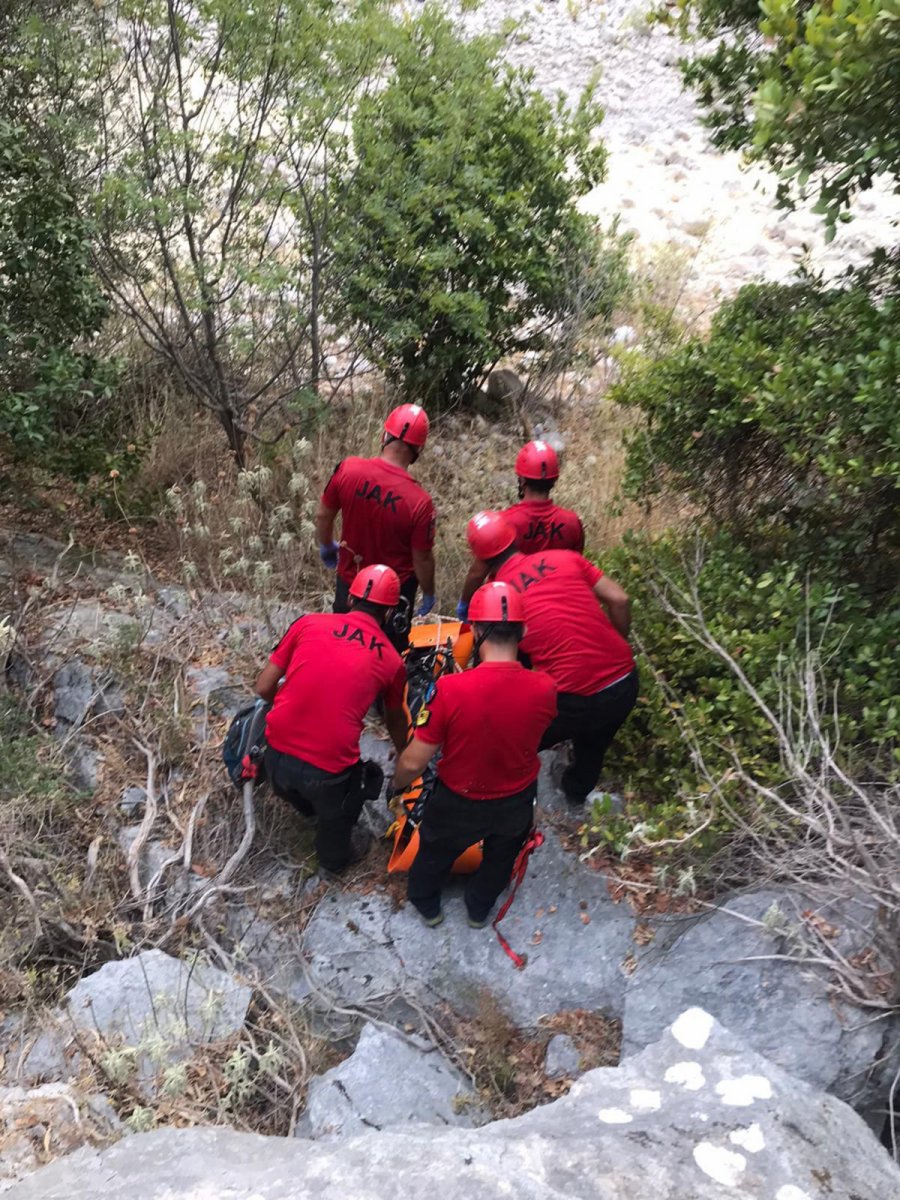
pixel 821 82
pixel 54 388
pixel 462 237
pixel 784 424
pixel 766 616
pixel 782 430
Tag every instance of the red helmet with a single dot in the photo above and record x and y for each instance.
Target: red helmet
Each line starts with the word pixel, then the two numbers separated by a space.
pixel 378 584
pixel 409 423
pixel 497 602
pixel 489 534
pixel 537 460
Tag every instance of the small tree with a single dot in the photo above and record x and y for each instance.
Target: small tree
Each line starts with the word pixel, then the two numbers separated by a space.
pixel 222 135
pixel 809 88
pixel 461 224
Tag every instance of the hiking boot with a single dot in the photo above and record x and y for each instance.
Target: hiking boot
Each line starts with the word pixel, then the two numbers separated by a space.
pixel 432 922
pixel 478 923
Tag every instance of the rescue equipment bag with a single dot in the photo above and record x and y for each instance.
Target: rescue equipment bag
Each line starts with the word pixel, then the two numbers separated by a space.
pixel 245 744
pixel 435 649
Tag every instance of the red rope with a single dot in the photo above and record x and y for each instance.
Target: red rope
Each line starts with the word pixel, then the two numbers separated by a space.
pixel 535 839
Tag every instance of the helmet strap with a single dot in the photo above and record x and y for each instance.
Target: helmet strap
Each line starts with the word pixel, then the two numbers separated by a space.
pixel 481 638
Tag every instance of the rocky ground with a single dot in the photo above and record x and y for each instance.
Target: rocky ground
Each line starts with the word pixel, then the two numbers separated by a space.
pixel 698 1114
pixel 223 954
pixel 670 187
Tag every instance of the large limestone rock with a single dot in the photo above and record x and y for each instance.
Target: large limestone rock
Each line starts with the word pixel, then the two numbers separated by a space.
pixel 362 948
pixel 696 1117
pixel 387 1081
pixel 158 1007
pixel 725 962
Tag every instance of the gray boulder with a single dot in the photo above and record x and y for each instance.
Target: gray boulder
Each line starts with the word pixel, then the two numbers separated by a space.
pixel 361 948
pixel 785 1010
pixel 157 1007
pixel 387 1081
pixel 132 801
pixel 562 1057
pixel 696 1117
pixel 504 386
pixel 74 692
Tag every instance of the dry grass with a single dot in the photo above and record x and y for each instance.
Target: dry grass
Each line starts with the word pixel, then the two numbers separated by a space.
pixel 254 533
pixel 506 1064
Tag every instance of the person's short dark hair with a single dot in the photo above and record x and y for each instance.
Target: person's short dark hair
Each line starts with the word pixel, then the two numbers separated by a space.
pixel 505 633
pixel 544 486
pixel 378 611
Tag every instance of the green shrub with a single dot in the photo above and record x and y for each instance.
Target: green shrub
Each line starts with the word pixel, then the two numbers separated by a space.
pixel 784 424
pixel 55 391
pixel 766 618
pixel 462 239
pixel 808 88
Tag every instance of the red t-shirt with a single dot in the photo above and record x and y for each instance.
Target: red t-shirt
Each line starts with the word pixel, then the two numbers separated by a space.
pixel 335 667
pixel 490 721
pixel 543 525
pixel 385 515
pixel 567 631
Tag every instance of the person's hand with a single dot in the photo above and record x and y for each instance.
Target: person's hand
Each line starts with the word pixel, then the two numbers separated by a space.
pixel 426 606
pixel 393 796
pixel 329 555
pixel 462 610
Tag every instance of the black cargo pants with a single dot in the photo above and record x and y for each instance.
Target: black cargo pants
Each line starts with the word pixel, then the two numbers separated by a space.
pixel 591 723
pixel 334 799
pixel 450 824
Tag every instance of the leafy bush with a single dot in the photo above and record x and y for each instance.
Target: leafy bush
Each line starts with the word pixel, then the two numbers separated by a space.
pixel 462 235
pixel 809 88
pixel 55 390
pixel 784 424
pixel 767 619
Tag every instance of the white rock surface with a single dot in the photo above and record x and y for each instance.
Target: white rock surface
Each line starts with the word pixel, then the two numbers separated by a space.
pixel 620 1134
pixel 668 183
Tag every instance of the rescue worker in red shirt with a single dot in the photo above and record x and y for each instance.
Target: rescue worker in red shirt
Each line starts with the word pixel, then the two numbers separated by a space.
pixel 576 621
pixel 539 523
pixel 488 722
pixel 386 517
pixel 334 667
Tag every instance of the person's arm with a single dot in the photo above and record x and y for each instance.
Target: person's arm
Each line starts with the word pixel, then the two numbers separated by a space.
pixel 423 566
pixel 397 724
pixel 615 600
pixel 477 574
pixel 267 682
pixel 325 518
pixel 412 762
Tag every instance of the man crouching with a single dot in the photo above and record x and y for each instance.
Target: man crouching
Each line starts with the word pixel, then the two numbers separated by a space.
pixel 334 668
pixel 488 722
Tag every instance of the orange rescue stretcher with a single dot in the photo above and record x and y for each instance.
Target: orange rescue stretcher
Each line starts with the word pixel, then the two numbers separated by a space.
pixel 439 648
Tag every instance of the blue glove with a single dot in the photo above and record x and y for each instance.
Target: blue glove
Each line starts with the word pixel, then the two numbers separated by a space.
pixel 462 610
pixel 329 555
pixel 426 606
